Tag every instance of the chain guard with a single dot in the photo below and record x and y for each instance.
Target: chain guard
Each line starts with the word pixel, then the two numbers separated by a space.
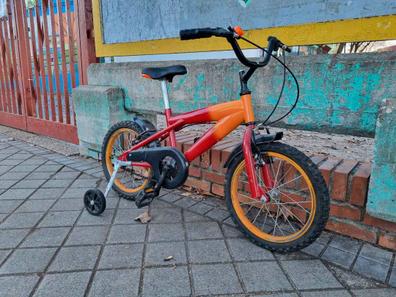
pixel 156 157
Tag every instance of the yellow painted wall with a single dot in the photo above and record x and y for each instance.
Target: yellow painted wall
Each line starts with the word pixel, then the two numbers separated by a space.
pixel 374 28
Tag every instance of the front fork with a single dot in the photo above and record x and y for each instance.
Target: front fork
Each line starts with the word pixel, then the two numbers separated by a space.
pixel 249 152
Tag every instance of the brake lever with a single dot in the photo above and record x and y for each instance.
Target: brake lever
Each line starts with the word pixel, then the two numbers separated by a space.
pixel 235 34
pixel 285 48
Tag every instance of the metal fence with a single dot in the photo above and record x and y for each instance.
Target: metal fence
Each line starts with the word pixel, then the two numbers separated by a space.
pixel 39 66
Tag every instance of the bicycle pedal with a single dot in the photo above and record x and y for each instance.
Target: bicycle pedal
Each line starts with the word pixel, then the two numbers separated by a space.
pixel 145 197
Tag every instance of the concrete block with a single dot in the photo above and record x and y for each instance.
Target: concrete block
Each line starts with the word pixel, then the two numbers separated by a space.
pixel 257 279
pixel 107 283
pixel 176 282
pixel 215 279
pixel 28 261
pixel 382 189
pixel 121 256
pixel 157 252
pixel 97 108
pixel 64 284
pixel 311 274
pixel 17 285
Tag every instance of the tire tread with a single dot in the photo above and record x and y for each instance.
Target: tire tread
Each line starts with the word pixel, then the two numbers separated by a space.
pixel 321 192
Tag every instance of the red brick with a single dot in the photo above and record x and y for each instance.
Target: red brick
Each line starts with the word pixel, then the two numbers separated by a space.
pixel 340 179
pixel 213 177
pixel 381 224
pixel 216 162
pixel 360 182
pixel 198 184
pixel 182 139
pixel 218 190
pixel 226 151
pixel 327 167
pixel 180 136
pixel 352 229
pixel 205 159
pixel 345 211
pixel 186 146
pixel 194 171
pixel 388 241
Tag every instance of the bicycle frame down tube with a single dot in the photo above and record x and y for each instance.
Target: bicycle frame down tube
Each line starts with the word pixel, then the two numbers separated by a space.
pixel 227 116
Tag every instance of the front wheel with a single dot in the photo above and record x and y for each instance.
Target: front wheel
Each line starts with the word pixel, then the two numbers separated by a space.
pixel 298 206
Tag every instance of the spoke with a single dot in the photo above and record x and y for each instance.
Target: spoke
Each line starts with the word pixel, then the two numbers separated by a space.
pixel 272 168
pixel 285 216
pixel 244 173
pixel 265 220
pixel 252 201
pixel 290 181
pixel 133 182
pixel 289 203
pixel 248 203
pixel 249 209
pixel 260 179
pixel 276 176
pixel 302 191
pixel 285 174
pixel 296 203
pixel 123 174
pixel 268 211
pixel 258 213
pixel 302 223
pixel 118 152
pixel 276 221
pixel 130 140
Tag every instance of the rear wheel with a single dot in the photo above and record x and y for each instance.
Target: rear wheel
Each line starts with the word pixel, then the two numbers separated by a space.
pixel 129 180
pixel 298 208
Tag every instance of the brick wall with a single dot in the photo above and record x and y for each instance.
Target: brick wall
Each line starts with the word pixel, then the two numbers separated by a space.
pixel 347 181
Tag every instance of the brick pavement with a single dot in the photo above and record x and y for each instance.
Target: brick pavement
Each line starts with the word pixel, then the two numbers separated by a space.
pixel 49 246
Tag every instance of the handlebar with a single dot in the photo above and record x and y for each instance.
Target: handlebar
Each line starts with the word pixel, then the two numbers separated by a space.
pixel 232 35
pixel 204 33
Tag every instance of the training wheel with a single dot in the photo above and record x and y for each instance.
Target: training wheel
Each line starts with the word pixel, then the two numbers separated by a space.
pixel 94 201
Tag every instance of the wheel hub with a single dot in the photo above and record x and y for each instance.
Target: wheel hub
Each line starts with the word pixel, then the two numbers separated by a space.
pixel 274 195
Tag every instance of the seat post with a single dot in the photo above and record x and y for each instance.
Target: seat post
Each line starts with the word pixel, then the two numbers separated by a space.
pixel 168 112
pixel 165 94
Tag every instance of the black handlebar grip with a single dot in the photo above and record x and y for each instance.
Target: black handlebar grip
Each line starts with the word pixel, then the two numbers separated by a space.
pixel 196 33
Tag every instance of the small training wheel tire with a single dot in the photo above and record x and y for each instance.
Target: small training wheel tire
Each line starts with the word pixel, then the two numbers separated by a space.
pixel 94 201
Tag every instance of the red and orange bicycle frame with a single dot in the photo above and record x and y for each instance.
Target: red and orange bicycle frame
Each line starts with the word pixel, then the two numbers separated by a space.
pixel 228 116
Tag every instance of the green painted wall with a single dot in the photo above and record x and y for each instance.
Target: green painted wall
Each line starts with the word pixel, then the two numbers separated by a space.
pixel 340 93
pixel 382 191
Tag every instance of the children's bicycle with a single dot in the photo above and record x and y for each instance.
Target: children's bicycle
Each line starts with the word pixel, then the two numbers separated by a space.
pixel 275 194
